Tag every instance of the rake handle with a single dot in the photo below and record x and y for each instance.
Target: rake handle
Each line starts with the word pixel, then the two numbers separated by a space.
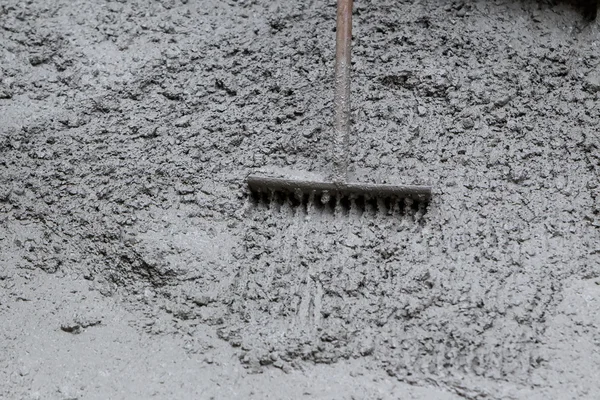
pixel 343 50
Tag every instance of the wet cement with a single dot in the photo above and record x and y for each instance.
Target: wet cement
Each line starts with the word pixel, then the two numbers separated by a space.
pixel 126 131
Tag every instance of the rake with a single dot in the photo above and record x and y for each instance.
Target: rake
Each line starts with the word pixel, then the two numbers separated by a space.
pixel 338 191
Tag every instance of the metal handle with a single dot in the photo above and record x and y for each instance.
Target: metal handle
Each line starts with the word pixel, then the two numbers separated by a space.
pixel 342 91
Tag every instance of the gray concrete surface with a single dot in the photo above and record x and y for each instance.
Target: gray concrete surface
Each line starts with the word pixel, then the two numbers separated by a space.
pixel 133 265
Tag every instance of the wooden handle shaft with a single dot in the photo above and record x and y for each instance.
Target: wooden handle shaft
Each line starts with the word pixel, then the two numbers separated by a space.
pixel 342 91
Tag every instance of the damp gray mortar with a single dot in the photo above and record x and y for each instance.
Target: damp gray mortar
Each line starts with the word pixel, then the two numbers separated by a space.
pixel 126 134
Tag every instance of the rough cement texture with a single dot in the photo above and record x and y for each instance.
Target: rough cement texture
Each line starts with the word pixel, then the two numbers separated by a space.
pixel 132 262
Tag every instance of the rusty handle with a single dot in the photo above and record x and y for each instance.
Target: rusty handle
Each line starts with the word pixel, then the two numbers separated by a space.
pixel 342 91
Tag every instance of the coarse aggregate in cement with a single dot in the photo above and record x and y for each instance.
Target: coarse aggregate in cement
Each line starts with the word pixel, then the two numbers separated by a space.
pixel 133 263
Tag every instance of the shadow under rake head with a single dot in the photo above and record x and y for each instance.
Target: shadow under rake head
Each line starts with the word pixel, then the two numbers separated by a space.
pixel 345 197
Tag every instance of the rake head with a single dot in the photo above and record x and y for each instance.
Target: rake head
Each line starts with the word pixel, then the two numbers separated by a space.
pixel 360 197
